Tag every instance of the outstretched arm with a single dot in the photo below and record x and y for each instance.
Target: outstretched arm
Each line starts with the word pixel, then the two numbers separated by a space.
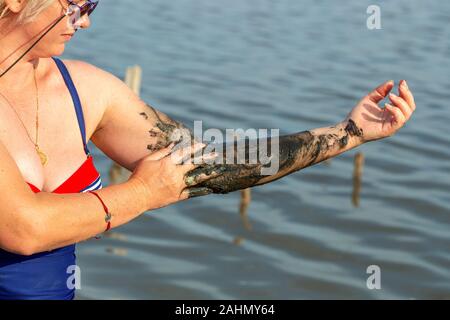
pixel 366 122
pixel 131 131
pixel 293 152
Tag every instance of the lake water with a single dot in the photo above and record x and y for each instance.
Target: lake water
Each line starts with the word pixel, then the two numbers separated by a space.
pixel 293 65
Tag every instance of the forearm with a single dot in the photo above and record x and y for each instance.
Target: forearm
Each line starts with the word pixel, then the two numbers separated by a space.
pixel 308 148
pixel 295 152
pixel 63 219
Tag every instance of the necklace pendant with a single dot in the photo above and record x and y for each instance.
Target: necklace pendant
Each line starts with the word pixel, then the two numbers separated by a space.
pixel 42 156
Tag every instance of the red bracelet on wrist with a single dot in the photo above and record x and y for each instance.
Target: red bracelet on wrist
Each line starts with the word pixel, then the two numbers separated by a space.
pixel 108 215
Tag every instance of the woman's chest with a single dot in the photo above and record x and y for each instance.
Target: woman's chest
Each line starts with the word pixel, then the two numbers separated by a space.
pixel 51 124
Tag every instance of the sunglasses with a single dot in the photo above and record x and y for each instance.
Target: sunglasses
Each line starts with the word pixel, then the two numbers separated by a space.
pixel 75 12
pixel 86 8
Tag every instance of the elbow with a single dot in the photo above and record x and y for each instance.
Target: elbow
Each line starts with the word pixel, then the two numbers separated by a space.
pixel 24 238
pixel 29 245
pixel 19 246
pixel 31 239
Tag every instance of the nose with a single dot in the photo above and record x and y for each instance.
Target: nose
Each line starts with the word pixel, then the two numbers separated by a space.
pixel 84 22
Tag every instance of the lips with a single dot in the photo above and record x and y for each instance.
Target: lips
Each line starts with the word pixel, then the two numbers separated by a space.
pixel 67 36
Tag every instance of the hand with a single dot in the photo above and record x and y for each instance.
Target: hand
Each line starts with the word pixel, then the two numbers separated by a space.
pixel 163 175
pixel 377 123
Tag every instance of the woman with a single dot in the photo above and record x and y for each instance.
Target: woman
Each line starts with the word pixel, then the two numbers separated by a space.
pixel 57 197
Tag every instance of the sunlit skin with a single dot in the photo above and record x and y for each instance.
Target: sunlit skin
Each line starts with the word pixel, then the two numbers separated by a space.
pixel 136 135
pixel 297 151
pixel 366 122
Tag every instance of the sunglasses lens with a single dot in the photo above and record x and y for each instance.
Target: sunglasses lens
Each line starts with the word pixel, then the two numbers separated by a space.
pixel 75 12
pixel 91 7
pixel 88 8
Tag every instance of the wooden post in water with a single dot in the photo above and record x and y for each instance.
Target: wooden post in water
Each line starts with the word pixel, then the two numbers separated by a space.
pixel 245 202
pixel 357 177
pixel 133 77
pixel 246 198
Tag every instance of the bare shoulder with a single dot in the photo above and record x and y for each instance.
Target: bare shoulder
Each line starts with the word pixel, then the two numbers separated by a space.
pixel 96 79
pixel 99 90
pixel 96 88
pixel 89 74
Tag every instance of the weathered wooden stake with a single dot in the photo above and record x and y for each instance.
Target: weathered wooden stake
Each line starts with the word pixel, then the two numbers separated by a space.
pixel 246 198
pixel 357 178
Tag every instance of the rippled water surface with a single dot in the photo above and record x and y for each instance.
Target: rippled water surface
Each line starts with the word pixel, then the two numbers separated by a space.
pixel 293 65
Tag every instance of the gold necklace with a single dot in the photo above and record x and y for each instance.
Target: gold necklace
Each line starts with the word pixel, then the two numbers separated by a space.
pixel 41 154
pixel 43 157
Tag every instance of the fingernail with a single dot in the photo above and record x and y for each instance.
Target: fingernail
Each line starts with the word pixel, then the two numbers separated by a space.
pixel 389 105
pixel 406 85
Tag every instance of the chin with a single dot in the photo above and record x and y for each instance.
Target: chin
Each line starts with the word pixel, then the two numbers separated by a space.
pixel 59 50
pixel 55 50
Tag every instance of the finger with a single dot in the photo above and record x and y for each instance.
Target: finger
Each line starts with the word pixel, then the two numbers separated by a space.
pixel 381 92
pixel 406 94
pixel 401 104
pixel 157 155
pixel 207 158
pixel 184 195
pixel 197 156
pixel 396 113
pixel 184 153
pixel 195 192
pixel 200 159
pixel 196 179
pixel 202 174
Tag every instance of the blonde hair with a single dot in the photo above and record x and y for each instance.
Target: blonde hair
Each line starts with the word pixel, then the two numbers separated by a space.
pixel 31 10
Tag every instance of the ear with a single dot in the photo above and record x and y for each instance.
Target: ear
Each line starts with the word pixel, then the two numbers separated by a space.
pixel 16 6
